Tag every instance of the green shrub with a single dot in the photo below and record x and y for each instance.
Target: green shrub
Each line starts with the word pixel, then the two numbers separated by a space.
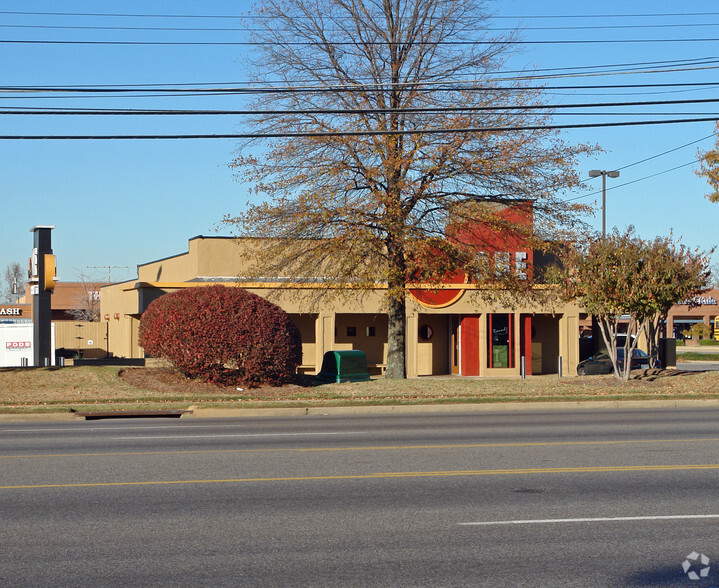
pixel 708 342
pixel 222 334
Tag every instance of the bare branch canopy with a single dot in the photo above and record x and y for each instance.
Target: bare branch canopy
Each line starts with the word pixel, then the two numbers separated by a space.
pixel 364 207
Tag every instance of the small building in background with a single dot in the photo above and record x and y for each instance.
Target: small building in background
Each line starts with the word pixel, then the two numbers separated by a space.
pixel 703 308
pixel 73 305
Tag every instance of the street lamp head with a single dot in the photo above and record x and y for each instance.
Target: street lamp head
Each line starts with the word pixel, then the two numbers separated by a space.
pixel 595 173
pixel 613 174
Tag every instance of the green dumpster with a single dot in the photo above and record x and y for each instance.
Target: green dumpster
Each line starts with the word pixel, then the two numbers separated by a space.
pixel 344 366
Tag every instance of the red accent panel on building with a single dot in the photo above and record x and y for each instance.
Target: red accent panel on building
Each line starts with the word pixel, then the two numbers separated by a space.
pixel 470 346
pixel 440 298
pixel 491 236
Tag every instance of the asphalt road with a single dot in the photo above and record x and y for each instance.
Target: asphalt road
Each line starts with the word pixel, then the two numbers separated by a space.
pixel 588 498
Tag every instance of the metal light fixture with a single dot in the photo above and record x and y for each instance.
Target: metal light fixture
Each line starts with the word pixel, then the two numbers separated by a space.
pixel 595 173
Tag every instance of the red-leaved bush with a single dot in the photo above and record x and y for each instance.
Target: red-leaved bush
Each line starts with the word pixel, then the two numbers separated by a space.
pixel 222 334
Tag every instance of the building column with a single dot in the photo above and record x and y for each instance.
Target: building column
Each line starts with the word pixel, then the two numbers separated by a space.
pixel 411 340
pixel 325 336
pixel 568 351
pixel 133 347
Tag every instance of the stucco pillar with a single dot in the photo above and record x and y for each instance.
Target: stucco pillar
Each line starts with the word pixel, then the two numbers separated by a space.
pixel 325 336
pixel 483 342
pixel 411 339
pixel 568 343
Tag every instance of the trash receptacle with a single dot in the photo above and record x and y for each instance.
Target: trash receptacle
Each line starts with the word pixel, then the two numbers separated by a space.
pixel 668 352
pixel 344 366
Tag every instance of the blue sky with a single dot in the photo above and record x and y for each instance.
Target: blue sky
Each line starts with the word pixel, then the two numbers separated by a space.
pixel 122 203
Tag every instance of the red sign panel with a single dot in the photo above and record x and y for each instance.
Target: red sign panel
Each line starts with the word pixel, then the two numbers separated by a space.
pixel 18 345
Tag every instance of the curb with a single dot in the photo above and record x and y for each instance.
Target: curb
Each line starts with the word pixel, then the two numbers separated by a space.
pixel 219 413
pixel 46 416
pixel 199 413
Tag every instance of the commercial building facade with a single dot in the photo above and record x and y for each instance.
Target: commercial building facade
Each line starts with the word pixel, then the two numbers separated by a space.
pixel 702 308
pixel 451 329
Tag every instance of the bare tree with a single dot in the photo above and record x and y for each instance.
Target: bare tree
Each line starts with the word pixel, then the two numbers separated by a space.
pixel 15 278
pixel 383 121
pixel 86 306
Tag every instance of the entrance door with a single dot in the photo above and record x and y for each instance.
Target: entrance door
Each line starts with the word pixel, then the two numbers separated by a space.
pixel 454 347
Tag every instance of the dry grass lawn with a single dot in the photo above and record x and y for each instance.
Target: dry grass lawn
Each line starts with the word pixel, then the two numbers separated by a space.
pixel 106 387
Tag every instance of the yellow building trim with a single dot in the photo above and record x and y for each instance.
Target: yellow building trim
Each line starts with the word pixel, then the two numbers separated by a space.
pixel 252 285
pixel 314 285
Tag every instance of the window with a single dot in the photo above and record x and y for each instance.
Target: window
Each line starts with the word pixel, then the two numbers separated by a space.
pixel 370 331
pixel 351 331
pixel 500 331
pixel 425 333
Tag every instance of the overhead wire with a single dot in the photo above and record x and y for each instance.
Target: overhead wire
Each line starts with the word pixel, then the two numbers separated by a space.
pixel 351 44
pixel 309 134
pixel 668 151
pixel 240 16
pixel 225 91
pixel 326 111
pixel 442 86
pixel 246 29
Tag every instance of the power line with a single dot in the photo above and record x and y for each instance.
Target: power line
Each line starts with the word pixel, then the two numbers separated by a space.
pixel 656 174
pixel 352 44
pixel 427 110
pixel 650 66
pixel 246 29
pixel 666 153
pixel 261 135
pixel 615 186
pixel 441 86
pixel 239 16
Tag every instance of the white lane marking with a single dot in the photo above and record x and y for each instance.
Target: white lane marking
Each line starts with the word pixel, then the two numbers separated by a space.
pixel 592 520
pixel 152 437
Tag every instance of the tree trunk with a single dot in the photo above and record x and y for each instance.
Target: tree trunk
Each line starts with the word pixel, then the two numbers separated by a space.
pixel 396 325
pixel 651 329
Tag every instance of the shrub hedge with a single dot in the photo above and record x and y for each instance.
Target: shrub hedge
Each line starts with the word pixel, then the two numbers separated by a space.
pixel 222 334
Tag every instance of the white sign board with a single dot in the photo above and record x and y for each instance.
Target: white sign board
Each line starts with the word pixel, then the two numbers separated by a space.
pixel 16 343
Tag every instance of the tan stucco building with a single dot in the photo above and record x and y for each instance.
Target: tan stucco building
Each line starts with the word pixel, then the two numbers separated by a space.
pixel 464 334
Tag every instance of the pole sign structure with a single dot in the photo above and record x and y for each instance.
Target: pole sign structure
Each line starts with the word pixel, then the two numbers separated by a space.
pixel 42 283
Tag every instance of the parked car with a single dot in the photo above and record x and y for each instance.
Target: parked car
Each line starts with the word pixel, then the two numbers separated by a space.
pixel 601 363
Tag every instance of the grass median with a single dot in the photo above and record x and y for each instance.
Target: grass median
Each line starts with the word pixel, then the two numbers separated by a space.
pixel 102 388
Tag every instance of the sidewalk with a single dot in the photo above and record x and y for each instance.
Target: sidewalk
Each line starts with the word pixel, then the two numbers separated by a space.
pixel 698 349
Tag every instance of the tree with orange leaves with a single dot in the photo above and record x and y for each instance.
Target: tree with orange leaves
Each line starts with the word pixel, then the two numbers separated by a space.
pixel 629 284
pixel 382 122
pixel 709 169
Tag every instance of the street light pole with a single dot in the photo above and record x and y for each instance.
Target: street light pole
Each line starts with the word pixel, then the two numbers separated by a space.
pixel 612 174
